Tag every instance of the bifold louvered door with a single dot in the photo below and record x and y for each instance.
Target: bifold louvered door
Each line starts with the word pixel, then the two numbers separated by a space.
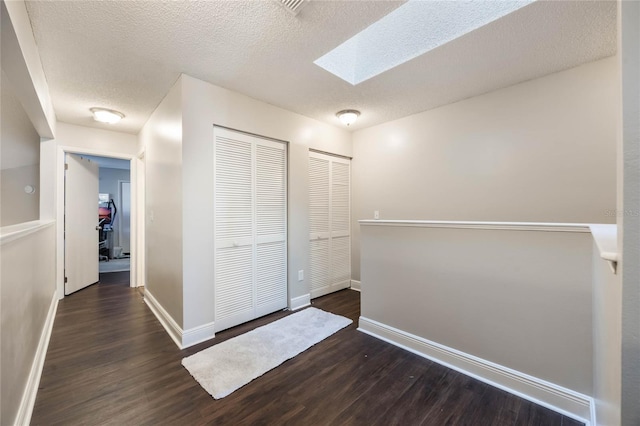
pixel 250 227
pixel 329 214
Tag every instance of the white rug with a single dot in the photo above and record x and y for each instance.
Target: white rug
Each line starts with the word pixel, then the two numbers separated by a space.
pixel 225 367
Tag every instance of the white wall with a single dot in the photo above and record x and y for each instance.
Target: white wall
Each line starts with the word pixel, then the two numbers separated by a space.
pixel 629 215
pixel 18 206
pixel 21 61
pixel 19 160
pixel 518 298
pixel 26 292
pixel 76 139
pixel 27 289
pixel 206 105
pixel 161 141
pixel 540 151
pixel 91 140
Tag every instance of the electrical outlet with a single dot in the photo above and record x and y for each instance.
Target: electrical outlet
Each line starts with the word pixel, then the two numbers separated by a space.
pixel 376 214
pixel 300 275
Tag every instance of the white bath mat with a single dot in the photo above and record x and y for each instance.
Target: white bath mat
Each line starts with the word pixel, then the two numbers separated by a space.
pixel 225 367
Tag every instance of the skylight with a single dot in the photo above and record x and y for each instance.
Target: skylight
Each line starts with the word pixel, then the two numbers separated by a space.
pixel 411 30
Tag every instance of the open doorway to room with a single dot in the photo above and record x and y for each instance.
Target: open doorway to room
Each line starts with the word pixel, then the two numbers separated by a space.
pixel 98 236
pixel 114 214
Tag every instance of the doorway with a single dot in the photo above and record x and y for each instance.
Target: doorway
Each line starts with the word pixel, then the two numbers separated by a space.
pixel 106 181
pixel 115 244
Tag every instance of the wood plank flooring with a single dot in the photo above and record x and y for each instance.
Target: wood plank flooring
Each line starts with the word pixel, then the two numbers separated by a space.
pixel 111 362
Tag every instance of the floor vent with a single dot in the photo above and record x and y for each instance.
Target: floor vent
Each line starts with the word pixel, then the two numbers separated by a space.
pixel 293 6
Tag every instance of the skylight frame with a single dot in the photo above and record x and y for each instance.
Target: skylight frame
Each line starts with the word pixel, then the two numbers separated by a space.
pixel 409 31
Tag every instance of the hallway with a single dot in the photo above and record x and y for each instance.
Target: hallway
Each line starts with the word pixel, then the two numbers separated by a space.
pixel 111 362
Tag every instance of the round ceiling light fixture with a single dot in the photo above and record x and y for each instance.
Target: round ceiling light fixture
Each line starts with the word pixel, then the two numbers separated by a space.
pixel 104 115
pixel 348 116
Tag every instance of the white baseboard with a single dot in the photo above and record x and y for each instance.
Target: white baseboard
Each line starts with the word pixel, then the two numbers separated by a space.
pixel 300 302
pixel 182 338
pixel 552 396
pixel 355 285
pixel 25 410
pixel 169 324
pixel 199 334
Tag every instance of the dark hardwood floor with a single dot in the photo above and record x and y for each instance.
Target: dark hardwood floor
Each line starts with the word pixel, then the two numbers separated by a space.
pixel 111 362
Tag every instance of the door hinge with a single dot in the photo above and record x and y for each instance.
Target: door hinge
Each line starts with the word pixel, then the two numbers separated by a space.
pixel 65 280
pixel 66 166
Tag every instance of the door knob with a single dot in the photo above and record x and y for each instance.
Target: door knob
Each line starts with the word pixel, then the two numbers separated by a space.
pixel 98 228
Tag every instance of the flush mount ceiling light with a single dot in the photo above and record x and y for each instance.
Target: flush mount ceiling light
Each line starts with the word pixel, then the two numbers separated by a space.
pixel 104 115
pixel 409 31
pixel 348 116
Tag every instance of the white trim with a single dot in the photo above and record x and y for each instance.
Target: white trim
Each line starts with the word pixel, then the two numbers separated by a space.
pixel 541 392
pixel 511 226
pixel 169 324
pixel 300 302
pixel 606 238
pixel 356 285
pixel 182 338
pixel 20 230
pixel 28 401
pixel 140 239
pixel 198 334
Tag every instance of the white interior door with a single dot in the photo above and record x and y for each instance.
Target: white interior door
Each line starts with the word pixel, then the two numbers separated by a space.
pixel 250 227
pixel 125 217
pixel 320 224
pixel 329 223
pixel 340 224
pixel 81 220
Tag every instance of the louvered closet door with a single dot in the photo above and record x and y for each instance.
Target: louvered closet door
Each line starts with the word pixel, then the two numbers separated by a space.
pixel 319 215
pixel 250 227
pixel 329 209
pixel 271 231
pixel 340 226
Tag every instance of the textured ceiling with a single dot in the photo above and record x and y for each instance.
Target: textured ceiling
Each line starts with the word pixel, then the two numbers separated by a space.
pixel 126 55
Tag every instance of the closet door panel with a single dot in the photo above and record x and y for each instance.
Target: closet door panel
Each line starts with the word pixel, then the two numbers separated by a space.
pixel 319 224
pixel 319 263
pixel 233 192
pixel 340 211
pixel 271 227
pixel 234 286
pixel 319 191
pixel 340 263
pixel 271 277
pixel 329 223
pixel 271 191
